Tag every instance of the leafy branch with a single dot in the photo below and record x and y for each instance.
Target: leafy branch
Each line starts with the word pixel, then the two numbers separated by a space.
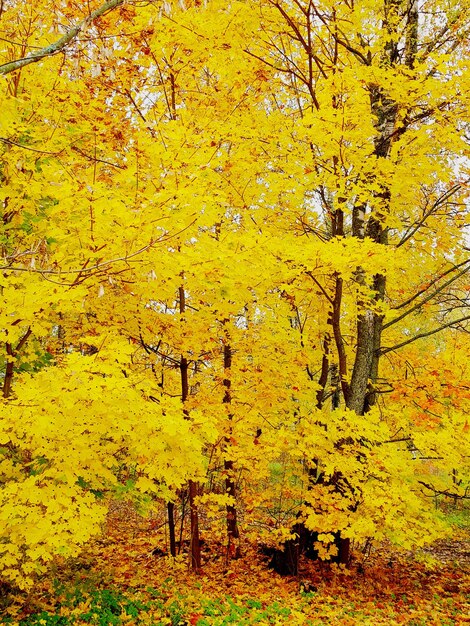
pixel 100 265
pixel 431 295
pixel 422 335
pixel 446 492
pixel 61 43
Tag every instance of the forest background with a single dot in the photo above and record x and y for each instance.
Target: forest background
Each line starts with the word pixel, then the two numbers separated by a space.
pixel 234 274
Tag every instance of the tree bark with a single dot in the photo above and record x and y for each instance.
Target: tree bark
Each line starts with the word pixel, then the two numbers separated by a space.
pixel 8 372
pixel 370 323
pixel 411 47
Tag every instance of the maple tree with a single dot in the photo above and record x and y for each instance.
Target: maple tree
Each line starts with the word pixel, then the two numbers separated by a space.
pixel 233 237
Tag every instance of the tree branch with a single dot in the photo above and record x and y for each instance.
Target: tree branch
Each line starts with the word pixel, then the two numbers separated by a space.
pixel 421 291
pixel 337 334
pixel 430 296
pixel 322 289
pixel 431 211
pixel 125 258
pixel 9 142
pixel 61 43
pixel 445 492
pixel 421 335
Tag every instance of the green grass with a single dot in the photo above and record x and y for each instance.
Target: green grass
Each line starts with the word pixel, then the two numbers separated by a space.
pixel 111 607
pixel 101 607
pixel 459 517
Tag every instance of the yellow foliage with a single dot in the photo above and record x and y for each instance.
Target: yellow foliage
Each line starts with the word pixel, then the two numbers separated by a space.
pixel 300 175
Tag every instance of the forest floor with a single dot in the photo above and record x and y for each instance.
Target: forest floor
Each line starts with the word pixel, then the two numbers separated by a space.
pixel 117 580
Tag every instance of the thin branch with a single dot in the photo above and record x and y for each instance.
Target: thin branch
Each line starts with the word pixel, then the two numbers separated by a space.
pixel 303 79
pixel 409 121
pixel 293 25
pixel 462 36
pixel 97 160
pixel 23 339
pixel 9 142
pixel 445 492
pixel 322 289
pixel 166 357
pixel 396 440
pixel 439 202
pixel 61 43
pixel 339 41
pixel 430 296
pixel 421 335
pixel 98 265
pixel 421 291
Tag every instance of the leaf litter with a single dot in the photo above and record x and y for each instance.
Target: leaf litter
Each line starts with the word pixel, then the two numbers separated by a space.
pixel 126 577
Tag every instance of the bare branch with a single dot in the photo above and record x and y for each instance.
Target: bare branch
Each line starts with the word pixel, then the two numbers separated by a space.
pixel 421 291
pixel 97 160
pixel 322 289
pixel 438 203
pixel 9 142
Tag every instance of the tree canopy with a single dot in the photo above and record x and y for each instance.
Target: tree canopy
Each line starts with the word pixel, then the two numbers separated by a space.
pixel 234 260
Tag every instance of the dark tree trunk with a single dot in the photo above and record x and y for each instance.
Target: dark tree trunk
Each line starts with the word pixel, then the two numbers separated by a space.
pixel 230 487
pixel 195 539
pixel 171 527
pixel 8 374
pixel 193 512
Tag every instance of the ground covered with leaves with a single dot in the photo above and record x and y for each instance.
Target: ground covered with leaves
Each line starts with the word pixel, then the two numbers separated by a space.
pixel 120 579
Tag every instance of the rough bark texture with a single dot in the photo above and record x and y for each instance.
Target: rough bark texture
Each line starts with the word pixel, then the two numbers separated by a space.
pixel 411 34
pixel 362 362
pixel 360 394
pixel 365 371
pixel 285 561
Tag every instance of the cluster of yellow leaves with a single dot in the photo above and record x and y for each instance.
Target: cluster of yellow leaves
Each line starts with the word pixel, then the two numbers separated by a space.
pixel 73 434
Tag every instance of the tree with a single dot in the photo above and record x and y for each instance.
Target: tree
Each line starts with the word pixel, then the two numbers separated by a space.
pixel 364 95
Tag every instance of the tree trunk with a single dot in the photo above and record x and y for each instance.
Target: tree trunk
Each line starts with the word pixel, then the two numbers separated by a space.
pixel 362 394
pixel 195 548
pixel 230 487
pixel 171 527
pixel 195 539
pixel 8 373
